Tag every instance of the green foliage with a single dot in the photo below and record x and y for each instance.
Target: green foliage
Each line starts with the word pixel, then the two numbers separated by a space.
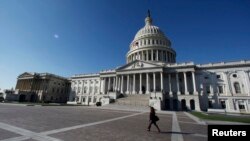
pixel 221 117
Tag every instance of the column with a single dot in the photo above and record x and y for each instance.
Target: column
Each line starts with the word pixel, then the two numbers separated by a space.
pixel 157 56
pixel 162 55
pixel 94 86
pixel 82 86
pixel 247 82
pixel 122 85
pixel 109 85
pixel 140 92
pixel 147 55
pixel 152 53
pixel 113 83
pixel 161 81
pixel 116 83
pixel 119 83
pixel 100 85
pixel 127 84
pixel 194 83
pixel 228 92
pixel 154 80
pixel 185 81
pixel 89 87
pixel 227 105
pixel 169 82
pixel 178 84
pixel 147 85
pixel 133 84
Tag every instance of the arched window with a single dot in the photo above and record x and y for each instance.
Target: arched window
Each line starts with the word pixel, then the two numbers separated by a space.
pixel 237 87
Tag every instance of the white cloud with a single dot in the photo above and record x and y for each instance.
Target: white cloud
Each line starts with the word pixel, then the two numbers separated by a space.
pixel 56 36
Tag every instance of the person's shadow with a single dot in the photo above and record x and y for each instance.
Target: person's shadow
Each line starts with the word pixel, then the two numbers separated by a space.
pixel 170 132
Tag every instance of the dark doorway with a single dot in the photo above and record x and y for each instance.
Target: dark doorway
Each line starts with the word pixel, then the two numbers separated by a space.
pixel 22 98
pixel 183 104
pixel 33 98
pixel 143 90
pixel 175 104
pixel 167 104
pixel 192 104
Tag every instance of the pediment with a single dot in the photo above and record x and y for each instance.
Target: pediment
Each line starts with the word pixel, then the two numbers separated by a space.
pixel 26 74
pixel 138 65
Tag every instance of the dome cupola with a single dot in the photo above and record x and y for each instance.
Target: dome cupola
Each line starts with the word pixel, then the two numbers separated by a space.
pixel 150 44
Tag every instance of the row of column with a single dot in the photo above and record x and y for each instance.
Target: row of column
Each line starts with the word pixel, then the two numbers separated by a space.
pixel 152 55
pixel 80 89
pixel 24 84
pixel 119 84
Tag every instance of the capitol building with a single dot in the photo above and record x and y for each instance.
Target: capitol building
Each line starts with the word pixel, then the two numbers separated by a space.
pixel 152 77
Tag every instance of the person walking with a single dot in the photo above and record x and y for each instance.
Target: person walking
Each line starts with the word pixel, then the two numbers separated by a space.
pixel 153 119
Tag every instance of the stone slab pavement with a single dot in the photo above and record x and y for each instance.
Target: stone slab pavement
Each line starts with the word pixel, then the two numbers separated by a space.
pixel 78 123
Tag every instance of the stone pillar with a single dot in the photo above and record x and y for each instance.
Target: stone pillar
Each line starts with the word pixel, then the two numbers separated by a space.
pixel 109 85
pixel 89 87
pixel 194 83
pixel 227 105
pixel 178 84
pixel 247 82
pixel 228 92
pixel 133 84
pixel 127 92
pixel 140 92
pixel 162 82
pixel 104 88
pixel 157 56
pixel 82 87
pixel 116 83
pixel 162 56
pixel 100 85
pixel 122 85
pixel 93 90
pixel 185 82
pixel 119 83
pixel 113 83
pixel 147 84
pixel 154 81
pixel 147 55
pixel 169 82
pixel 152 54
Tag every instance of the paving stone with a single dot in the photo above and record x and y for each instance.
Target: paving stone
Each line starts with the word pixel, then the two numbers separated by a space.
pixel 6 134
pixel 133 128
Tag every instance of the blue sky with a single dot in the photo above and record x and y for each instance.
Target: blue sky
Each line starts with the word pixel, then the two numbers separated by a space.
pixel 68 37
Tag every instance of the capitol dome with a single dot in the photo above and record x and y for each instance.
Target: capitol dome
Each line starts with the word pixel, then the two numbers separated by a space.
pixel 150 44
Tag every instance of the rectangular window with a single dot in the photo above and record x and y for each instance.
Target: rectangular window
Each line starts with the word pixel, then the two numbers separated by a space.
pixel 223 104
pixel 218 76
pixel 208 89
pixel 220 89
pixel 210 104
pixel 242 107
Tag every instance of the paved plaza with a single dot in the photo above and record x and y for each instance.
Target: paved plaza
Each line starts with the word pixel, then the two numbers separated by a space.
pixel 80 123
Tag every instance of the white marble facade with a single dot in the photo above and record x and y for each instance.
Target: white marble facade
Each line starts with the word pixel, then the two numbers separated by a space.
pixel 152 70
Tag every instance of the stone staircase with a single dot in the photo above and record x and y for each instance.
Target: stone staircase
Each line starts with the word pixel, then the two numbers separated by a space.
pixel 133 100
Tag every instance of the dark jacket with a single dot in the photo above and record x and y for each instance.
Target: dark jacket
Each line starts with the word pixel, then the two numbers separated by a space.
pixel 153 117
